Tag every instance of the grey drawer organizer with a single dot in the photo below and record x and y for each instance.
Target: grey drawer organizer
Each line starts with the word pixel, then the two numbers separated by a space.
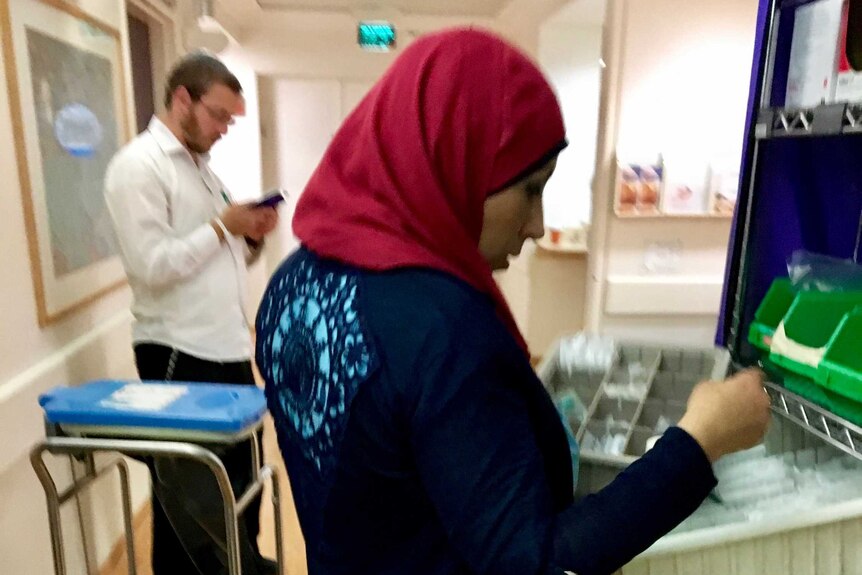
pixel 663 379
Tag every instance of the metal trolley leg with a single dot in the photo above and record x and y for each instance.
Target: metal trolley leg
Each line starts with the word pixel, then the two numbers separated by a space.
pixel 55 500
pixel 89 446
pixel 276 504
pixel 126 490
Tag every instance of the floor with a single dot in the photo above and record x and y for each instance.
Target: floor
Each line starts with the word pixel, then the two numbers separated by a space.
pixel 294 547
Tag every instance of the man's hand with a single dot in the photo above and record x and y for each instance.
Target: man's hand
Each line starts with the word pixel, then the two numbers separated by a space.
pixel 246 220
pixel 267 220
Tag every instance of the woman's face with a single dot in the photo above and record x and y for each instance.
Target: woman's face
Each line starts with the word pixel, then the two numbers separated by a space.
pixel 512 216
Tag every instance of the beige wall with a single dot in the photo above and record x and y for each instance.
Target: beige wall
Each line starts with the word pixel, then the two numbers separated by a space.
pixel 547 291
pixel 557 296
pixel 570 53
pixel 677 81
pixel 236 159
pixel 92 343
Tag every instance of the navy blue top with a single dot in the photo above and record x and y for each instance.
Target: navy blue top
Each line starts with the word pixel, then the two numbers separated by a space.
pixel 418 439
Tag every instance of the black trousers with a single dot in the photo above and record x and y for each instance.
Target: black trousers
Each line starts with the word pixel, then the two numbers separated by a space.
pixel 188 515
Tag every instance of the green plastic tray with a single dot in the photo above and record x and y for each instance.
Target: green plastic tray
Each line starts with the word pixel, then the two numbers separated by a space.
pixel 841 368
pixel 772 310
pixel 811 321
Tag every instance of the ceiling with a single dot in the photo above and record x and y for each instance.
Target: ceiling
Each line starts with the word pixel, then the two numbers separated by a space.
pixel 415 15
pixel 480 8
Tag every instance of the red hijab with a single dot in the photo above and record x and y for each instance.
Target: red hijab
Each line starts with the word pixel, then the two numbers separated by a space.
pixel 459 115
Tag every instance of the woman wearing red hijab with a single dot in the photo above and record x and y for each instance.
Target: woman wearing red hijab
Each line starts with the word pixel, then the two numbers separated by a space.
pixel 416 436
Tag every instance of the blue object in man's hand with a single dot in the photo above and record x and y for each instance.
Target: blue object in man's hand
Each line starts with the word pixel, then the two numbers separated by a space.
pixel 272 199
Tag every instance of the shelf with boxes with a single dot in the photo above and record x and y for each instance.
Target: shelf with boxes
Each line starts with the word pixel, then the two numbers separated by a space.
pixel 808 342
pixel 676 186
pixel 826 120
pixel 813 83
pixel 805 106
pixel 674 217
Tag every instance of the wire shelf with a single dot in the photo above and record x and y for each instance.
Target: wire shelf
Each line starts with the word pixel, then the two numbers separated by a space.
pixel 816 420
pixel 826 120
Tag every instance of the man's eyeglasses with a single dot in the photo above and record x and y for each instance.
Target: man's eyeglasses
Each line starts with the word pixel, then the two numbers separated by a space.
pixel 220 116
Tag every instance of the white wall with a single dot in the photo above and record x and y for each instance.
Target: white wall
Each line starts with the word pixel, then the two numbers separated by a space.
pixel 92 343
pixel 302 117
pixel 678 84
pixel 236 157
pixel 547 291
pixel 685 78
pixel 520 21
pixel 237 160
pixel 570 54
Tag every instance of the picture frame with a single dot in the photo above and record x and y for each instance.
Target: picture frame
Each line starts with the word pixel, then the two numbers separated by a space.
pixel 67 94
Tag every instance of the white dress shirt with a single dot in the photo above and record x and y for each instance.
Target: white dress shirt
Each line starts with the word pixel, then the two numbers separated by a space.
pixel 189 289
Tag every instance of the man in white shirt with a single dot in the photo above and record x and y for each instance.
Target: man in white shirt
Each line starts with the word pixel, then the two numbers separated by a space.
pixel 185 246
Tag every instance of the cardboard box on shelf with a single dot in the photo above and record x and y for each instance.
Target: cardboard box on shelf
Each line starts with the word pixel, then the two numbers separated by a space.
pixel 814 54
pixel 848 87
pixel 628 189
pixel 639 188
pixel 723 188
pixel 686 186
pixel 649 194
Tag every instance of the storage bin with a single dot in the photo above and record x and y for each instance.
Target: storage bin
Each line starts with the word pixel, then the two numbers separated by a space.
pixel 841 368
pixel 641 393
pixel 769 314
pixel 800 341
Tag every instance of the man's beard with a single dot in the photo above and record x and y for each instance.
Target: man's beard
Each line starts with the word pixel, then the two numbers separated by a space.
pixel 193 137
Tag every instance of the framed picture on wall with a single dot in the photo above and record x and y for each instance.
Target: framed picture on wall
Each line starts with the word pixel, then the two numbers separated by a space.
pixel 66 84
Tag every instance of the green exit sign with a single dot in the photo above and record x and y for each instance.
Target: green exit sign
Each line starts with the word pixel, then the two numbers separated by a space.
pixel 377 36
